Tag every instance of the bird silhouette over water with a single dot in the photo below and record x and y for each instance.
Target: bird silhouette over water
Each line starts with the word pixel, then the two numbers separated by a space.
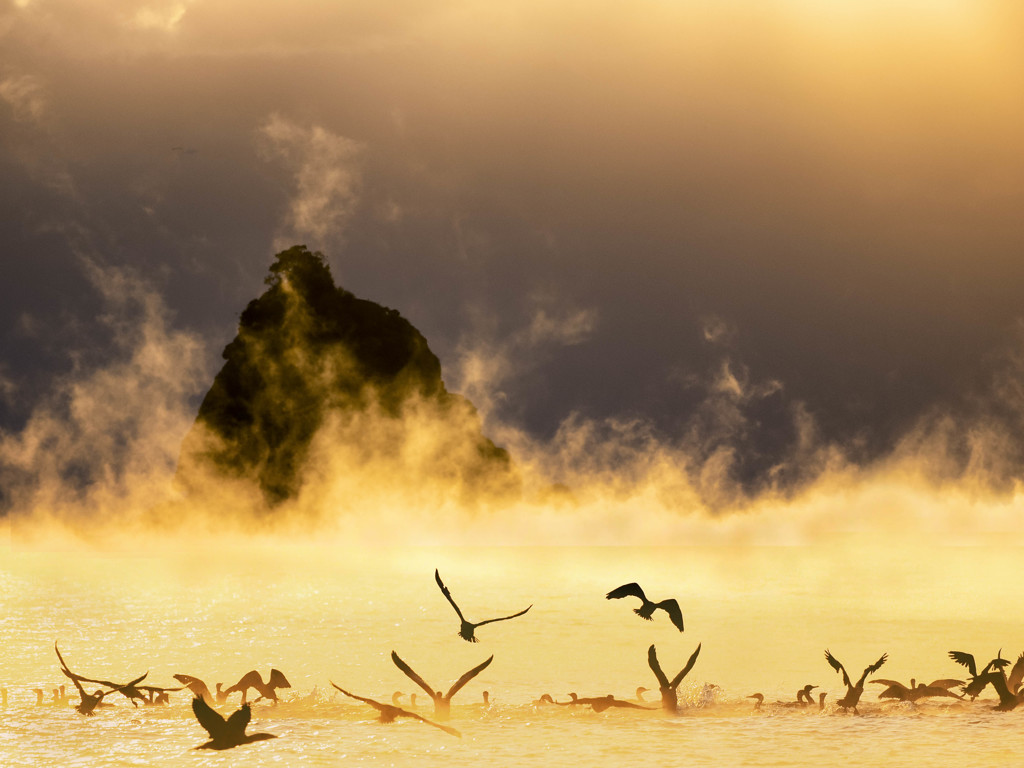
pixel 389 712
pixel 200 689
pixel 266 690
pixel 978 680
pixel 467 628
pixel 442 702
pixel 853 692
pixel 599 703
pixel 89 702
pixel 1007 687
pixel 225 734
pixel 647 607
pixel 669 694
pixel 900 692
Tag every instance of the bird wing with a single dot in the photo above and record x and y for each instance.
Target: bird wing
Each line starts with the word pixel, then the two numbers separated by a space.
pixel 209 718
pixel 250 679
pixel 1016 676
pixel 946 683
pixel 872 669
pixel 834 662
pixel 278 680
pixel 446 593
pixel 686 670
pixel 965 660
pixel 371 702
pixel 239 719
pixel 74 679
pixel 422 719
pixel 999 683
pixel 503 618
pixel 671 607
pixel 412 675
pixel 894 683
pixel 627 590
pixel 467 677
pixel 652 661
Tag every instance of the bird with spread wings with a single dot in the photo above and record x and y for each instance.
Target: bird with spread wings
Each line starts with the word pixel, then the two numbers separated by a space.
pixel 442 702
pixel 669 695
pixel 389 712
pixel 853 692
pixel 467 628
pixel 647 607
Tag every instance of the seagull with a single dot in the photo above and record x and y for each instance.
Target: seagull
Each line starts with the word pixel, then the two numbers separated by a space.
pixel 669 696
pixel 853 692
pixel 670 606
pixel 976 684
pixel 467 628
pixel 388 712
pixel 267 690
pixel 225 734
pixel 442 702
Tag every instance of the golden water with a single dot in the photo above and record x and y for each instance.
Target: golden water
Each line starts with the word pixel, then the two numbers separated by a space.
pixel 322 613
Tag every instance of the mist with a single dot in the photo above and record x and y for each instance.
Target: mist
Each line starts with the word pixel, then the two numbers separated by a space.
pixel 713 271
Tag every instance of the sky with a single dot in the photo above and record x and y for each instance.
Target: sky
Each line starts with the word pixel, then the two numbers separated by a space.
pixel 775 237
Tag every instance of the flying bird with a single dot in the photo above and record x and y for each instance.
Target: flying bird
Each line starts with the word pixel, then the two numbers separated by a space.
pixel 225 734
pixel 647 608
pixel 442 702
pixel 266 690
pixel 467 628
pixel 853 692
pixel 389 712
pixel 669 695
pixel 978 680
pixel 198 687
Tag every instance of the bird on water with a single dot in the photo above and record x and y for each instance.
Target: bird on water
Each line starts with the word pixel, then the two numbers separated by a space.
pixel 978 680
pixel 467 628
pixel 669 694
pixel 600 703
pixel 442 701
pixel 900 692
pixel 389 712
pixel 225 734
pixel 853 692
pixel 647 607
pixel 266 690
pixel 1008 687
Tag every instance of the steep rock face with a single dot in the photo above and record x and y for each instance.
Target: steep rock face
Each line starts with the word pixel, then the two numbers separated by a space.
pixel 309 353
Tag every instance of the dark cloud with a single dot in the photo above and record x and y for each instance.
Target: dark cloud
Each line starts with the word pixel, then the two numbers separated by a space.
pixel 823 208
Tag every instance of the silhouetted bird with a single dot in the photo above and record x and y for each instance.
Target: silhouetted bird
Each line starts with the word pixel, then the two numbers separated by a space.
pixel 900 692
pixel 803 696
pixel 388 712
pixel 758 700
pixel 978 681
pixel 89 702
pixel 442 702
pixel 640 691
pixel 853 692
pixel 544 699
pixel 198 688
pixel 266 690
pixel 467 628
pixel 1008 688
pixel 225 734
pixel 669 695
pixel 599 703
pixel 647 608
